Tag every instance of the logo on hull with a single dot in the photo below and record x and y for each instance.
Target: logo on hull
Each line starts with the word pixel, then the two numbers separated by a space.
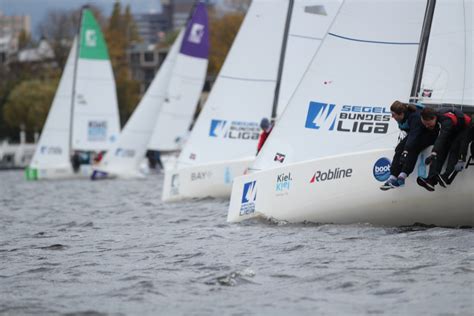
pixel 174 190
pixel 283 182
pixel 249 196
pixel 331 174
pixel 381 169
pixel 279 157
pixel 200 175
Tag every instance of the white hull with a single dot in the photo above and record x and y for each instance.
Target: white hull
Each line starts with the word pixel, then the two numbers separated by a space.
pixel 16 155
pixel 351 199
pixel 142 172
pixel 57 173
pixel 204 180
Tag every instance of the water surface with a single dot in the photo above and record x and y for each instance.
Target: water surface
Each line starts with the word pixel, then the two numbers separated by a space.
pixel 113 248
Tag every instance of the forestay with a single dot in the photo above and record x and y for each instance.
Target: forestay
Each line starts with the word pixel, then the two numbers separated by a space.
pixel 448 76
pixel 185 87
pixel 95 122
pixel 342 103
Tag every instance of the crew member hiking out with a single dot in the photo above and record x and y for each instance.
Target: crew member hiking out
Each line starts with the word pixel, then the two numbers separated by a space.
pixel 407 150
pixel 458 153
pixel 266 127
pixel 450 125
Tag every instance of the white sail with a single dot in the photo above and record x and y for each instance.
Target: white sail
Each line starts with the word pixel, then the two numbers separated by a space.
pixel 185 87
pixel 84 113
pixel 96 122
pixel 310 21
pixel 52 150
pixel 230 156
pixel 342 104
pixel 127 153
pixel 336 179
pixel 447 75
pixel 228 125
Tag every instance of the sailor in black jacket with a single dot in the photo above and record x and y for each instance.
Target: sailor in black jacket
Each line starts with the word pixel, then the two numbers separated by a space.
pixel 458 153
pixel 450 124
pixel 407 150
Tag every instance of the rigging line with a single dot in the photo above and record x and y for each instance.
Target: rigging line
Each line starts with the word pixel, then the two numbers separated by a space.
pixel 247 79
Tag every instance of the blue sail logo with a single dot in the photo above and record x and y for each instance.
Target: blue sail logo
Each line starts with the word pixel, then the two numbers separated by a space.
pixel 320 114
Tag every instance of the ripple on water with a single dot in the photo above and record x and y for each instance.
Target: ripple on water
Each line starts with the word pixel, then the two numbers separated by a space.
pixel 112 248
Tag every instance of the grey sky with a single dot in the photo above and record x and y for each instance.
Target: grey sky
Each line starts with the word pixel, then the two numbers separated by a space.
pixel 37 9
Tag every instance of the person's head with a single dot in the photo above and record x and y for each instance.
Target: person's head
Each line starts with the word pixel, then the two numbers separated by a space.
pixel 429 118
pixel 398 110
pixel 264 123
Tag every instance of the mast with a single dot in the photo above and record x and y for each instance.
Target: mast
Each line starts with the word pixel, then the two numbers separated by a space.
pixel 191 12
pixel 282 59
pixel 73 98
pixel 422 49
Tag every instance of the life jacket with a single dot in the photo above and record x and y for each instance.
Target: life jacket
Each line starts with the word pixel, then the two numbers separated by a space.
pixel 458 118
pixel 263 138
pixel 467 120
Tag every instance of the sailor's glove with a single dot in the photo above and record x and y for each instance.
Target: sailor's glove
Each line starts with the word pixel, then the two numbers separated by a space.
pixel 459 165
pixel 403 157
pixel 431 158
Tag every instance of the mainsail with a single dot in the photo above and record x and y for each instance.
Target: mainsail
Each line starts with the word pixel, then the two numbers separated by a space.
pixel 84 112
pixel 342 103
pixel 185 87
pixel 129 151
pixel 95 124
pixel 227 127
pixel 175 89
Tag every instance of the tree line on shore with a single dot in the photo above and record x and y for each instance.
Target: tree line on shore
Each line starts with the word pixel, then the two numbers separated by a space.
pixel 27 88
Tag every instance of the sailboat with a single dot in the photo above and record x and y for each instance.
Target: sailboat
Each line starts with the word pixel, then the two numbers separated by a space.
pixel 84 114
pixel 267 59
pixel 338 138
pixel 165 112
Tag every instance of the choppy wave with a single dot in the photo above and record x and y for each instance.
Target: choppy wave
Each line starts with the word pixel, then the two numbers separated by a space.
pixel 112 247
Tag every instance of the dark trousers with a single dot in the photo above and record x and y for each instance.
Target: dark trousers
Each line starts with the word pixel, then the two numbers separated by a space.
pixel 442 154
pixel 424 140
pixel 454 152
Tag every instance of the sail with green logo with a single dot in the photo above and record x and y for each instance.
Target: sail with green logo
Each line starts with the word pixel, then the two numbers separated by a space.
pixel 83 118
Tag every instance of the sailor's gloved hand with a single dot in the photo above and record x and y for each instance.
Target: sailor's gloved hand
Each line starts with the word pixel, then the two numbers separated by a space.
pixel 431 158
pixel 403 157
pixel 459 165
